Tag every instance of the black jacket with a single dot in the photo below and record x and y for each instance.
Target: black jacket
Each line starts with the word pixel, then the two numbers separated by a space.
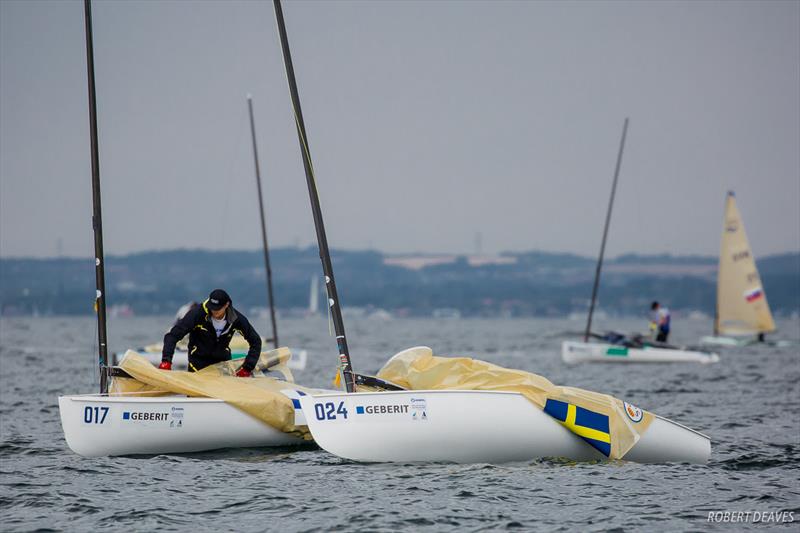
pixel 204 346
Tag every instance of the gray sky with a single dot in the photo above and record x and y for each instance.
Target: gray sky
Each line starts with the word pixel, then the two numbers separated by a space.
pixel 428 122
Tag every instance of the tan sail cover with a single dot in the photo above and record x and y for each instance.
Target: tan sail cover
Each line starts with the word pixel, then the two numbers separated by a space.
pixel 742 307
pixel 418 369
pixel 258 396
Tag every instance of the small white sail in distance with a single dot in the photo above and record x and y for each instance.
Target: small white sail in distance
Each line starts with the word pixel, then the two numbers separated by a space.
pixel 313 296
pixel 742 307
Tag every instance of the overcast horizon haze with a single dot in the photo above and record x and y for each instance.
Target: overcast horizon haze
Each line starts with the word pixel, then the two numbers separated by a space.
pixel 428 123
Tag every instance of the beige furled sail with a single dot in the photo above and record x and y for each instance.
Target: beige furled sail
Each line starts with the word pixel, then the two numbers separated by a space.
pixel 742 307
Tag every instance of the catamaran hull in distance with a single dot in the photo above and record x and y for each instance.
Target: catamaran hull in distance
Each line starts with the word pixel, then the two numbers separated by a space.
pixel 470 427
pixel 180 359
pixel 98 425
pixel 573 352
pixel 733 342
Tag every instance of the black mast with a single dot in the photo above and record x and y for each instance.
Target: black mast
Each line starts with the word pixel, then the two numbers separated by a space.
pixel 97 218
pixel 263 226
pixel 605 233
pixel 324 253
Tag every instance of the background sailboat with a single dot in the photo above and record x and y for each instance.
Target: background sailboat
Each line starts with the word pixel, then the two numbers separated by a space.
pixel 742 307
pixel 618 348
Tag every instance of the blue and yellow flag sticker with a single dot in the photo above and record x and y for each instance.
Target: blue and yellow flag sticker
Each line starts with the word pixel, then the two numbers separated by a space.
pixel 588 425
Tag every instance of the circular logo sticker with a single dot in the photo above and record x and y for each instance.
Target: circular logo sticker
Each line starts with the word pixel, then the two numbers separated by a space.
pixel 633 412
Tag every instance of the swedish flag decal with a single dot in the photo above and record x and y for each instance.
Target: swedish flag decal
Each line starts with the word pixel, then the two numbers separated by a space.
pixel 590 426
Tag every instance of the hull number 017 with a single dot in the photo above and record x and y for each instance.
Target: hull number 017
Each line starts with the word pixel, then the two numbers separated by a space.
pixel 95 415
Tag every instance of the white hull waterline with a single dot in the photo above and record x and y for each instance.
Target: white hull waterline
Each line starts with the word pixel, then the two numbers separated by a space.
pixel 101 425
pixel 726 341
pixel 470 427
pixel 180 359
pixel 590 352
pixel 734 342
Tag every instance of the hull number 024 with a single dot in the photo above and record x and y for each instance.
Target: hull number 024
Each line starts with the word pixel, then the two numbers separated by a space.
pixel 329 410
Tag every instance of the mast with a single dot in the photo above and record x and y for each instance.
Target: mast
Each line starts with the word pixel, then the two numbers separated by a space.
pixel 605 232
pixel 345 366
pixel 97 218
pixel 263 225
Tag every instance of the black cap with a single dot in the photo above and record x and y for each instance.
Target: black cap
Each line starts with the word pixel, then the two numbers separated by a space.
pixel 217 299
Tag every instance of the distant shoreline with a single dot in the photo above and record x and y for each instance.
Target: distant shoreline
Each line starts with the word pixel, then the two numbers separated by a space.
pixel 525 284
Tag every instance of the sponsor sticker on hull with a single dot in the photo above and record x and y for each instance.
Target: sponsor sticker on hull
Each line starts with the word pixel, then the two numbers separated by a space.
pixel 617 352
pixel 419 409
pixel 633 412
pixel 176 417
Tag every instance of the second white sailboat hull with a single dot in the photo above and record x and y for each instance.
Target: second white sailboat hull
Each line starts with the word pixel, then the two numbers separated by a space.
pixel 591 352
pixel 100 425
pixel 733 342
pixel 470 427
pixel 726 341
pixel 180 359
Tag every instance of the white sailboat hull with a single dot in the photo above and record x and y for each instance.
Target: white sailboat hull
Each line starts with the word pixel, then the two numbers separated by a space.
pixel 733 342
pixel 726 341
pixel 101 425
pixel 591 352
pixel 470 427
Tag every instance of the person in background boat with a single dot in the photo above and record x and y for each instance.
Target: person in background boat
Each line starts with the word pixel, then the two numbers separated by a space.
pixel 659 321
pixel 211 326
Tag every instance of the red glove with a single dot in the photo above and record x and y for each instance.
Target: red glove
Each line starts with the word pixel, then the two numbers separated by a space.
pixel 243 373
pixel 165 365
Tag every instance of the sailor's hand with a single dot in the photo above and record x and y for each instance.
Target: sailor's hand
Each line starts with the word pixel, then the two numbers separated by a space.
pixel 243 373
pixel 653 326
pixel 165 365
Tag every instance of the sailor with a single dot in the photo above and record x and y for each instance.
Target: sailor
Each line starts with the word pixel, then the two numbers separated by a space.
pixel 211 326
pixel 659 321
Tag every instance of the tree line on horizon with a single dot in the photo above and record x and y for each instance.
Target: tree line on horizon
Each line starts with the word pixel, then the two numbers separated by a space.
pixel 536 284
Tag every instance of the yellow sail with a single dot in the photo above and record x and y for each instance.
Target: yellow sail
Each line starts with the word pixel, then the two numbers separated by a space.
pixel 742 307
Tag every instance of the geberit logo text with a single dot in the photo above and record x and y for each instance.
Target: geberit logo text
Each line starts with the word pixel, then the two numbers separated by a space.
pixel 381 409
pixel 144 416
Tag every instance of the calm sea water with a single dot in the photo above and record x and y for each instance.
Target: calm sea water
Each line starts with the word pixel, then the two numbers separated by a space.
pixel 748 404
